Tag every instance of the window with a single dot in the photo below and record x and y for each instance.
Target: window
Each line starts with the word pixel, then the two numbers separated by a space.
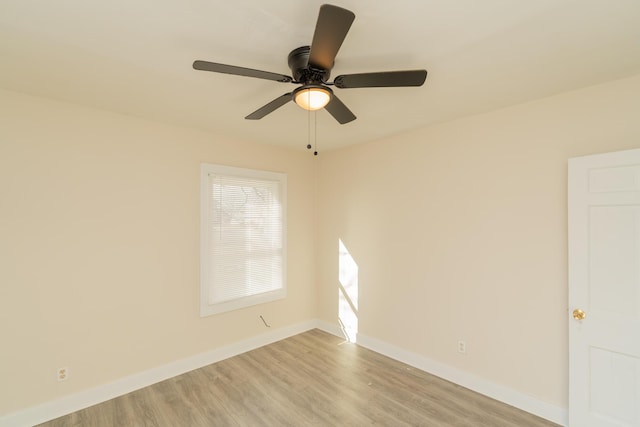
pixel 243 250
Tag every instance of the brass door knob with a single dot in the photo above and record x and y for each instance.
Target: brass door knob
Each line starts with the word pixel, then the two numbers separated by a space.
pixel 579 314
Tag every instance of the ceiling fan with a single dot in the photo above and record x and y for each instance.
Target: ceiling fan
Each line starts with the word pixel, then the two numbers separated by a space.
pixel 311 67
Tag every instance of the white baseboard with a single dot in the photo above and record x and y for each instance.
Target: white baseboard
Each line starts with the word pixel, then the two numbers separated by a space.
pixel 74 402
pixel 480 385
pixel 330 328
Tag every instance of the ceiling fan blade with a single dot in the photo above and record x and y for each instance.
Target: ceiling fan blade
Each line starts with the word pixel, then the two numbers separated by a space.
pixel 339 111
pixel 240 71
pixel 270 107
pixel 382 79
pixel 331 28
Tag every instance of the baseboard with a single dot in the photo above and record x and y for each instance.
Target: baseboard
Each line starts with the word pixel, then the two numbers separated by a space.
pixel 330 328
pixel 74 402
pixel 480 385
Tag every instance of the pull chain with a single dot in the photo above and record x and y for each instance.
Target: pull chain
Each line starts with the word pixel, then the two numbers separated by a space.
pixel 308 129
pixel 315 130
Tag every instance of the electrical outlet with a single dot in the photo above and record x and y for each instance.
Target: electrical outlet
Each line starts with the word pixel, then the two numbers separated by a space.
pixel 462 347
pixel 63 374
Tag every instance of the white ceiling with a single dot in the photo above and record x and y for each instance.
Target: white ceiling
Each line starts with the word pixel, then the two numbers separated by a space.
pixel 135 57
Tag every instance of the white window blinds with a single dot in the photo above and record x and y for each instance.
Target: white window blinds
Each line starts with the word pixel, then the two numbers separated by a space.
pixel 243 254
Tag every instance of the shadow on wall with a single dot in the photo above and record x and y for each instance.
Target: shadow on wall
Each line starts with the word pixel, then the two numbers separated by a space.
pixel 347 293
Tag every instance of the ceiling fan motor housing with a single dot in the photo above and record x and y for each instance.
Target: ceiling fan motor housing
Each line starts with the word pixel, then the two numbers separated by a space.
pixel 302 73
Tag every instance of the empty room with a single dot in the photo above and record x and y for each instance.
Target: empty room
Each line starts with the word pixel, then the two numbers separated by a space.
pixel 296 213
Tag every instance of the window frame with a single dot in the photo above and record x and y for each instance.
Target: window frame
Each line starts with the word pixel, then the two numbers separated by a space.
pixel 206 169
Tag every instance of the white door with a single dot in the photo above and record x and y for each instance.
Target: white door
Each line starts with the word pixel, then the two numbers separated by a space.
pixel 604 287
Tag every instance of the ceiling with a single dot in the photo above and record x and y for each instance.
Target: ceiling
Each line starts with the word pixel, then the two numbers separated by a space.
pixel 135 57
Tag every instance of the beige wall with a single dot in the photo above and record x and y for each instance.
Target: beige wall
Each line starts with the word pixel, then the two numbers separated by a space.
pixel 99 246
pixel 459 232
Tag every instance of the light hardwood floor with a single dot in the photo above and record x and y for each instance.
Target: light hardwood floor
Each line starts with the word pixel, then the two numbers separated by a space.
pixel 311 379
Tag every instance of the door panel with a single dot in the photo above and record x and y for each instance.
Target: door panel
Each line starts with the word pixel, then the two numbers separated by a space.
pixel 604 282
pixel 614 386
pixel 614 179
pixel 613 259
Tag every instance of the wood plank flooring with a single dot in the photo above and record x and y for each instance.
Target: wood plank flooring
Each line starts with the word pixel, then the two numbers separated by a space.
pixel 311 379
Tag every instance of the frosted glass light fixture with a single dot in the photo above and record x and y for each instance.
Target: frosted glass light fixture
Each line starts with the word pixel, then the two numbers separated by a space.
pixel 312 97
